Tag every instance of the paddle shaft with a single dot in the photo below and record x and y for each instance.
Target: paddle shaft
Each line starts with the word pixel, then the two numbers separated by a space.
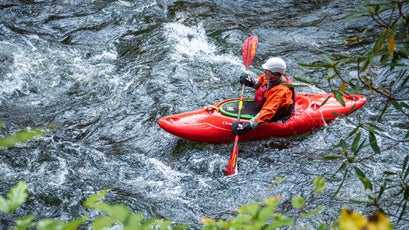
pixel 248 52
pixel 231 165
pixel 240 103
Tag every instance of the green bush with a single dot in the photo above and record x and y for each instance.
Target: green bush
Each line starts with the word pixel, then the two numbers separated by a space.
pixel 111 215
pixel 384 48
pixel 252 216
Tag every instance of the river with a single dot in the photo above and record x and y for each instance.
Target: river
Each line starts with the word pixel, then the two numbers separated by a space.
pixel 103 72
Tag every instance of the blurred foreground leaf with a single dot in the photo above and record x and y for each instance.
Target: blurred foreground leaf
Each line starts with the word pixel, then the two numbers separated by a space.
pixel 20 137
pixel 15 198
pixel 319 184
pixel 350 220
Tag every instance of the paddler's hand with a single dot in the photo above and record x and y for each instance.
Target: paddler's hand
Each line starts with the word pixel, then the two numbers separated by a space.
pixel 239 128
pixel 246 80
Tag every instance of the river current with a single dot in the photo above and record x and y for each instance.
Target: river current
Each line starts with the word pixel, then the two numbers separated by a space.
pixel 103 72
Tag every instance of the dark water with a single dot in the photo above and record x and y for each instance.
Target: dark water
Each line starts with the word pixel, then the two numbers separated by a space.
pixel 103 72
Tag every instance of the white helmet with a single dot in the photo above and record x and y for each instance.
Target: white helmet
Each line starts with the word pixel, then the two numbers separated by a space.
pixel 275 64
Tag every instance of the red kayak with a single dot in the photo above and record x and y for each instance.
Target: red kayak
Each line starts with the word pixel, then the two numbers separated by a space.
pixel 213 123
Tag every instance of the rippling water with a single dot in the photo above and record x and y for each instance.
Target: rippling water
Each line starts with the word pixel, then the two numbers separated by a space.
pixel 103 72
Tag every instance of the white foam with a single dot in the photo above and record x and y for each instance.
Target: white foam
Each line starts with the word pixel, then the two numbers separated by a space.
pixel 165 170
pixel 192 42
pixel 50 66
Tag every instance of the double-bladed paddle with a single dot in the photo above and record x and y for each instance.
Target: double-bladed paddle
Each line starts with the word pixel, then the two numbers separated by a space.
pixel 248 52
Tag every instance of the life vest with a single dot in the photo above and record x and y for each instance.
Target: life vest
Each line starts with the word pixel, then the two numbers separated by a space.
pixel 282 113
pixel 259 96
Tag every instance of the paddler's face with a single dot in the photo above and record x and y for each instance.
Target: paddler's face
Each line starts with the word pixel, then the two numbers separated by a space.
pixel 269 76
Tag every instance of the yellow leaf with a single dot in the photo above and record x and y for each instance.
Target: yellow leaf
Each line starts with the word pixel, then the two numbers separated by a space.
pixel 391 45
pixel 207 220
pixel 343 87
pixel 272 199
pixel 350 220
pixel 379 221
pixel 352 40
pixel 368 84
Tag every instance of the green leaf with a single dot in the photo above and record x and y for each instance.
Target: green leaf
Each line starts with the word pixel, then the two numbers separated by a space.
pixel 355 143
pixel 298 202
pixel 330 158
pixel 384 58
pixel 76 223
pixel 331 73
pixel 294 86
pixel 17 196
pixel 25 222
pixel 355 130
pixel 373 128
pixel 380 42
pixel 250 209
pixel 389 173
pixel 135 220
pixel 119 212
pixel 166 224
pixel 404 52
pixel 382 189
pixel 403 104
pixel 323 226
pixel 161 224
pixel 344 175
pixel 4 206
pixel 356 146
pixel 266 213
pixel 405 167
pixel 396 105
pixel 314 212
pixel 343 144
pixel 20 137
pixel 338 96
pixel 280 221
pixel 374 143
pixel 319 184
pixel 405 162
pixel 402 214
pixel 301 79
pixel 276 181
pixel 102 222
pixel 327 59
pixel 272 202
pixel 103 207
pixel 313 66
pixel 402 30
pixel 50 224
pixel 365 181
pixel 324 102
pixel 156 224
pixel 92 200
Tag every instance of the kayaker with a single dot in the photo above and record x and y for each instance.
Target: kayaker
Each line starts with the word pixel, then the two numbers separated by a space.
pixel 273 96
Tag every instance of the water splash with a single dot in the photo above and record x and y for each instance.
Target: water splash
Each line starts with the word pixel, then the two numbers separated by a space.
pixel 192 42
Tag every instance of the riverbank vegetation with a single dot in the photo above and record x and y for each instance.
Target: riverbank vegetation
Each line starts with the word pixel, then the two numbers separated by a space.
pixel 375 63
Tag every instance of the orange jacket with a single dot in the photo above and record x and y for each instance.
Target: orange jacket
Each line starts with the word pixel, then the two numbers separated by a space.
pixel 276 97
